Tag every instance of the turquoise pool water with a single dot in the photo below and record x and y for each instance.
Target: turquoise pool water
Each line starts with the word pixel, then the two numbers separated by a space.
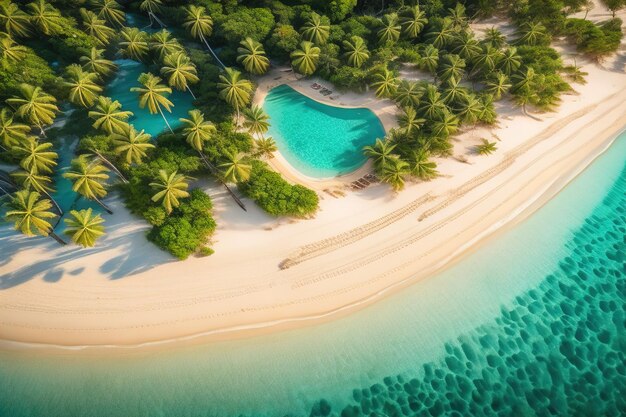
pixel 318 140
pixel 533 323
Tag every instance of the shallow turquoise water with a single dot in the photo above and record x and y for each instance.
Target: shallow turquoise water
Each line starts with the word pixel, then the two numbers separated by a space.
pixel 318 140
pixel 533 323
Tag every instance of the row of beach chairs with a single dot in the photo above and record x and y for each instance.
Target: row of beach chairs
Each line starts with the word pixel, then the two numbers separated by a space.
pixel 321 89
pixel 364 182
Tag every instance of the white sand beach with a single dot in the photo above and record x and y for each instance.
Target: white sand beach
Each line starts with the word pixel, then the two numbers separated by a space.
pixel 271 274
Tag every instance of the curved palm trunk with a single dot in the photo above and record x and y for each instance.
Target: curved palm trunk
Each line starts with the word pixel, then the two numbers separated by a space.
pixel 214 171
pixel 43 132
pixel 4 192
pixel 166 122
pixel 211 50
pixel 57 238
pixel 110 165
pixel 55 204
pixel 104 206
pixel 191 92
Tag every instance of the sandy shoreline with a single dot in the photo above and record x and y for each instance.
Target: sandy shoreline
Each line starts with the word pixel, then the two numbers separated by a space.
pixel 358 248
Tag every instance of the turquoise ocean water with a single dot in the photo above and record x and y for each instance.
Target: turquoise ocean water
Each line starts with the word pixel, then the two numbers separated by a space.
pixel 320 141
pixel 532 323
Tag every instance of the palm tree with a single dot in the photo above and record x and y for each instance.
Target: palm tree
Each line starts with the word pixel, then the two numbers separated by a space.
pixel 235 168
pixel 394 172
pixel 408 93
pixel 109 117
pixel 380 153
pixel 532 33
pixel 498 85
pixel 356 51
pixel 452 92
pixel 451 67
pixel 11 132
pixel 170 188
pixel 316 31
pixel 10 52
pixel 412 20
pixel 466 46
pixel 486 147
pixel 265 148
pixel 441 34
pixel 385 83
pixel 96 27
pixel 163 44
pixel 45 17
pixel 134 43
pixel 180 72
pixel 494 38
pixel 458 16
pixel 470 110
pixel 89 179
pixel 152 7
pixel 14 21
pixel 83 90
pixel 487 60
pixel 30 180
pixel 31 213
pixel 429 59
pixel 200 25
pixel 431 104
pixel 256 121
pixel 35 106
pixel 524 80
pixel 510 61
pixel 84 228
pixel 421 166
pixel 409 122
pixel 132 145
pixel 252 56
pixel 445 124
pixel 36 157
pixel 95 62
pixel 111 11
pixel 390 29
pixel 154 95
pixel 236 91
pixel 305 58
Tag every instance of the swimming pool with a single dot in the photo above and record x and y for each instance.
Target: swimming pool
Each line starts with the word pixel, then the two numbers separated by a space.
pixel 318 140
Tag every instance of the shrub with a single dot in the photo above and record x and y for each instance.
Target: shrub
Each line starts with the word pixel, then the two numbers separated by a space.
pixel 592 39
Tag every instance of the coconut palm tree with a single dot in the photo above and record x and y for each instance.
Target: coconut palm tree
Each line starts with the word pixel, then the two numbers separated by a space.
pixel 451 66
pixel 95 62
pixel 110 10
pixel 170 188
pixel 431 104
pixel 10 52
pixel 465 45
pixel 487 60
pixel 235 90
pixel 81 85
pixel 429 59
pixel 36 157
pixel 256 121
pixel 45 17
pixel 109 116
pixel 84 228
pixel 29 180
pixel 458 16
pixel 252 56
pixel 134 43
pixel 235 168
pixel 409 121
pixel 532 33
pixel 151 7
pixel 524 80
pixel 96 27
pixel 408 93
pixel 470 109
pixel 453 93
pixel 442 34
pixel 132 145
pixel 486 147
pixel 488 113
pixel 305 58
pixel 153 94
pixel 390 29
pixel 421 166
pixel 14 21
pixel 385 83
pixel 31 213
pixel 34 105
pixel 380 152
pixel 394 172
pixel 163 44
pixel 200 25
pixel 510 61
pixel 89 179
pixel 494 38
pixel 265 148
pixel 315 30
pixel 356 52
pixel 498 84
pixel 180 72
pixel 412 20
pixel 11 132
pixel 445 124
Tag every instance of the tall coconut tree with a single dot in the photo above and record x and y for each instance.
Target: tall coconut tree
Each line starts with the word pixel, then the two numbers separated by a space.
pixel 96 27
pixel 409 121
pixel 31 214
pixel 316 30
pixel 390 29
pixel 497 85
pixel 256 121
pixel 11 131
pixel 252 56
pixel 394 172
pixel 162 43
pixel 380 152
pixel 200 25
pixel 180 72
pixel 134 43
pixel 132 145
pixel 510 61
pixel 170 188
pixel 95 62
pixel 441 34
pixel 82 88
pixel 109 116
pixel 445 124
pixel 429 59
pixel 89 179
pixel 10 52
pixel 235 167
pixel 385 83
pixel 84 227
pixel 45 17
pixel 408 93
pixel 265 148
pixel 41 183
pixel 465 45
pixel 420 165
pixel 431 104
pixel 451 66
pixel 153 95
pixel 356 53
pixel 151 7
pixel 532 33
pixel 37 157
pixel 470 109
pixel 494 37
pixel 235 90
pixel 110 10
pixel 34 106
pixel 487 61
pixel 305 58
pixel 452 92
pixel 412 20
pixel 14 21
